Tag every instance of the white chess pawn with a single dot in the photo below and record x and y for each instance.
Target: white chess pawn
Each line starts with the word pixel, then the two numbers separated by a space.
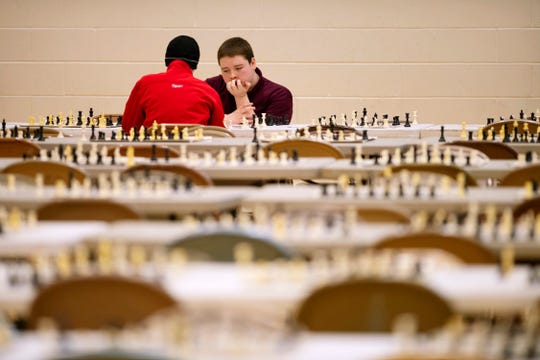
pixel 207 158
pixel 183 153
pixel 233 160
pixel 414 118
pixel 248 155
pixel 39 184
pixel 358 154
pixel 396 159
pixel 220 158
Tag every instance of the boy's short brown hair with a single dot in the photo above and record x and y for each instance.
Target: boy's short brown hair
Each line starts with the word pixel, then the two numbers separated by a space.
pixel 233 47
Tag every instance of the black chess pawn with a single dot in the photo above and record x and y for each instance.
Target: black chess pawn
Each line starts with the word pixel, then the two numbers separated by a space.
pixel 153 157
pixel 146 134
pixel 91 112
pixel 27 134
pixel 528 157
pixel 166 154
pixel 363 121
pixel 61 151
pixel 353 156
pixel 41 136
pixel 470 135
pixel 467 160
pixel 521 115
pixel 365 135
pixel 295 156
pixel 4 131
pixel 407 121
pixel 533 117
pixel 376 159
pixel 401 190
pixel 374 119
pixel 99 160
pixel 364 112
pixel 286 120
pixel 88 120
pixel 417 191
pixel 415 154
pixel 389 162
pixel 113 135
pixel 75 157
pixel 15 132
pixel 113 159
pixel 511 117
pixel 119 121
pixel 109 121
pixel 484 135
pixel 506 134
pixel 441 138
pixel 255 139
pixel 93 135
pixel 188 186
pixel 493 136
pixel 87 156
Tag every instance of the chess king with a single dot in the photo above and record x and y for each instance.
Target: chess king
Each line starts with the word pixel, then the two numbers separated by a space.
pixel 174 96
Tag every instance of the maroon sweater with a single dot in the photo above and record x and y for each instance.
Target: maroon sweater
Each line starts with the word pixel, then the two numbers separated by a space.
pixel 266 96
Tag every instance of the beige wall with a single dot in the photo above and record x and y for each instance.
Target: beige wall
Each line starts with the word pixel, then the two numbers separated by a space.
pixel 451 60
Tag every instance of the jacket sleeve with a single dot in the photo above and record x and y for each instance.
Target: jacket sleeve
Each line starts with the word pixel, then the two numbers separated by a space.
pixel 133 113
pixel 217 115
pixel 280 103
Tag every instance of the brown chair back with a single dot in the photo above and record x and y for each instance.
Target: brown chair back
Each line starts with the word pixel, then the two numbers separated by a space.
pixel 494 150
pixel 532 126
pixel 527 206
pixel 86 209
pixel 465 249
pixel 220 246
pixel 440 169
pixel 196 177
pixel 51 171
pixel 17 148
pixel 305 148
pixel 98 302
pixel 370 305
pixel 214 131
pixel 375 214
pixel 518 177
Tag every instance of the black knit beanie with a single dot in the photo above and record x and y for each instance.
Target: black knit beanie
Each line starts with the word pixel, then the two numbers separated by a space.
pixel 185 48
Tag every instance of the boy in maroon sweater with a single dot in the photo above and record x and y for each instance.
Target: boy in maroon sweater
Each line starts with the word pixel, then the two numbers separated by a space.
pixel 243 89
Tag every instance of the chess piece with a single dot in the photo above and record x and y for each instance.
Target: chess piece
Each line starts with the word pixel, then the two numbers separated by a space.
pixel 4 131
pixel 255 139
pixel 507 259
pixel 407 122
pixel 441 138
pixel 463 134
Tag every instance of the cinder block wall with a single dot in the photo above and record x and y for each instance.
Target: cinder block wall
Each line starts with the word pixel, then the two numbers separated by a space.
pixel 450 60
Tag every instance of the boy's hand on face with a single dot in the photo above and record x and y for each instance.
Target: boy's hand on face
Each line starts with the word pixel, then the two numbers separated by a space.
pixel 238 88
